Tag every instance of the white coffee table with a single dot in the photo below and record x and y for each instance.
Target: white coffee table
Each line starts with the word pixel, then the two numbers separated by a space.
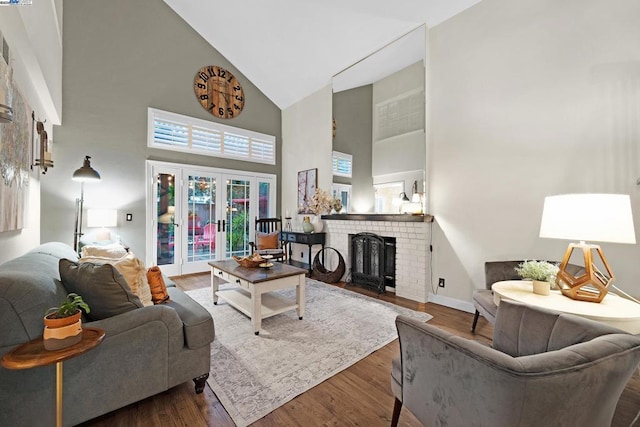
pixel 613 310
pixel 253 294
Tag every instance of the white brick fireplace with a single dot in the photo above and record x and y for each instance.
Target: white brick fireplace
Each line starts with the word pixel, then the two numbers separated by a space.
pixel 412 248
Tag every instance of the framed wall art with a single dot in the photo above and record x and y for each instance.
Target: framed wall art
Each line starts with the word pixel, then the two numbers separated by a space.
pixel 15 151
pixel 307 183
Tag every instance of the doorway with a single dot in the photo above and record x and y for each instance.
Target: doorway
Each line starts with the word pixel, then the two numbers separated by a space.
pixel 198 214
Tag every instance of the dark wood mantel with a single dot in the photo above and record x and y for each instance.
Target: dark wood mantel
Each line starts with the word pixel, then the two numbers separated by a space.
pixel 380 217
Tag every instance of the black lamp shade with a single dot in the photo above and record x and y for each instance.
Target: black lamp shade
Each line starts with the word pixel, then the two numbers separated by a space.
pixel 86 172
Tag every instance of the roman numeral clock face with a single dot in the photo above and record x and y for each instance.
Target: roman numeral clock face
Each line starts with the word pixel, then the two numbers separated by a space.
pixel 219 92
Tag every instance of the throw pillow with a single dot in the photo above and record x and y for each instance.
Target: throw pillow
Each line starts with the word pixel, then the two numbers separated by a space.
pixel 114 250
pixel 159 293
pixel 101 286
pixel 133 271
pixel 267 240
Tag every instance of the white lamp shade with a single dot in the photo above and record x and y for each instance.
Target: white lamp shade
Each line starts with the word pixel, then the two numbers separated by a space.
pixel 588 217
pixel 102 217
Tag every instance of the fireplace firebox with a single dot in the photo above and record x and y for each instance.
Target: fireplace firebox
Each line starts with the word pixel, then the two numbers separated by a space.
pixel 373 260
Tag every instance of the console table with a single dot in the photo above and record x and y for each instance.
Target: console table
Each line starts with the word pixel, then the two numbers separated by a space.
pixel 309 239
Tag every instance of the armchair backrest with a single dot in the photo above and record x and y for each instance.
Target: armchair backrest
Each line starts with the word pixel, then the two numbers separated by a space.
pixel 209 232
pixel 497 271
pixel 522 330
pixel 268 225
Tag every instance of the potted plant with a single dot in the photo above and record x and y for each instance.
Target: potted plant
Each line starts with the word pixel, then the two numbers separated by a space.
pixel 63 324
pixel 542 273
pixel 337 205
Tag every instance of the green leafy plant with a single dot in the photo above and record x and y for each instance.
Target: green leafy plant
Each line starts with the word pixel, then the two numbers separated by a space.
pixel 537 270
pixel 69 307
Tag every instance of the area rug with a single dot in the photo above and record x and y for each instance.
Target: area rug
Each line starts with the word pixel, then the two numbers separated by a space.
pixel 254 374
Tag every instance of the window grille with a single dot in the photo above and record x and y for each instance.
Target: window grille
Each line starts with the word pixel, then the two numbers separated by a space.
pixel 342 164
pixel 171 131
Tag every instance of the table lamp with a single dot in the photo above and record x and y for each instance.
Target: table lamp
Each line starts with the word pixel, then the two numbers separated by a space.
pixel 102 218
pixel 587 217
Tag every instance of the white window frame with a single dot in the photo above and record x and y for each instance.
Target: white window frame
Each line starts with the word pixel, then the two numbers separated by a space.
pixel 335 158
pixel 260 148
pixel 337 190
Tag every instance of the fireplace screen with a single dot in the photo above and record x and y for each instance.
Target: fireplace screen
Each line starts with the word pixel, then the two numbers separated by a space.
pixel 373 260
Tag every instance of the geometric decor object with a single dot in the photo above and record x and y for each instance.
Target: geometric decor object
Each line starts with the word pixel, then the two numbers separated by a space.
pixel 599 217
pixel 593 284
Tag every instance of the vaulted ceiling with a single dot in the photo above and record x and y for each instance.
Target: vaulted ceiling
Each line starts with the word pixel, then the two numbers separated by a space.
pixel 292 48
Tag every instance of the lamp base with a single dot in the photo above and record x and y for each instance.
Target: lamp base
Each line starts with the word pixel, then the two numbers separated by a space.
pixel 593 284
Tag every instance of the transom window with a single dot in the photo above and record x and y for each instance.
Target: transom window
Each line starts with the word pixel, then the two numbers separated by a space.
pixel 342 164
pixel 171 131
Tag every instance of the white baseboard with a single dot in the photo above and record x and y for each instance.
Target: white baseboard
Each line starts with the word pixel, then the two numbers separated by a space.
pixel 452 303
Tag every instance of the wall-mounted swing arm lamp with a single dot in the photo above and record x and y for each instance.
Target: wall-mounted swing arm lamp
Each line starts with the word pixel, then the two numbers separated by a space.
pixel 84 174
pixel 415 197
pixel 43 158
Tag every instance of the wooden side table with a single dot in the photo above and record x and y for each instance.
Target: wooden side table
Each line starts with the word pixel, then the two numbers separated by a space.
pixel 32 355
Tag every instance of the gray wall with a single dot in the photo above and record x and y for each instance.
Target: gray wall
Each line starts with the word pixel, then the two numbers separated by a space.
pixel 121 57
pixel 529 99
pixel 352 111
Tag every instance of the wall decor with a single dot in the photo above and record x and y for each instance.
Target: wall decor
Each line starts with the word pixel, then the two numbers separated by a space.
pixel 307 183
pixel 15 150
pixel 218 91
pixel 42 146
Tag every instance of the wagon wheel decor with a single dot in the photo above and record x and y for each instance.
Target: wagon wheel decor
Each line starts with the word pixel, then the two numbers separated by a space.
pixel 320 272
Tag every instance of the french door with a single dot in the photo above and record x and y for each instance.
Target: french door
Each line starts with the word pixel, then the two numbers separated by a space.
pixel 198 214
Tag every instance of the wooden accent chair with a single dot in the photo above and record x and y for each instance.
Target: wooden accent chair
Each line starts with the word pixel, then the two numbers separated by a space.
pixel 543 368
pixel 268 238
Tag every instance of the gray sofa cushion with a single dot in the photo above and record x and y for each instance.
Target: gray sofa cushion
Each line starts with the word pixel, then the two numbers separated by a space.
pixel 101 286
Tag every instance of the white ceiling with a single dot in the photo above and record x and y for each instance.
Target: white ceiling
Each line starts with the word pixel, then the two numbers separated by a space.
pixel 291 48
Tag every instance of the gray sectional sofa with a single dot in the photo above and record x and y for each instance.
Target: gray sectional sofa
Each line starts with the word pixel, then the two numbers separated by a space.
pixel 145 351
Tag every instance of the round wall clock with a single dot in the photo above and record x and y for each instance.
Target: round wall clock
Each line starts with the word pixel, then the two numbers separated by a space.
pixel 218 91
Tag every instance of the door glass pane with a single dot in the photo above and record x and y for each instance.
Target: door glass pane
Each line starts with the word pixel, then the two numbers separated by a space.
pixel 201 219
pixel 165 190
pixel 263 199
pixel 237 224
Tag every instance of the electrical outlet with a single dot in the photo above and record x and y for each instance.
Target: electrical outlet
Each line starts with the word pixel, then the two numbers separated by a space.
pixel 441 282
pixel 301 255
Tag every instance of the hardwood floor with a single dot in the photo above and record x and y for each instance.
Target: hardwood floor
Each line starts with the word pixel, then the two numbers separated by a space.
pixel 358 396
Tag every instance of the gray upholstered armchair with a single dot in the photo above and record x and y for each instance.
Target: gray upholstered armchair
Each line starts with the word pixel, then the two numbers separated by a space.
pixel 544 368
pixel 494 271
